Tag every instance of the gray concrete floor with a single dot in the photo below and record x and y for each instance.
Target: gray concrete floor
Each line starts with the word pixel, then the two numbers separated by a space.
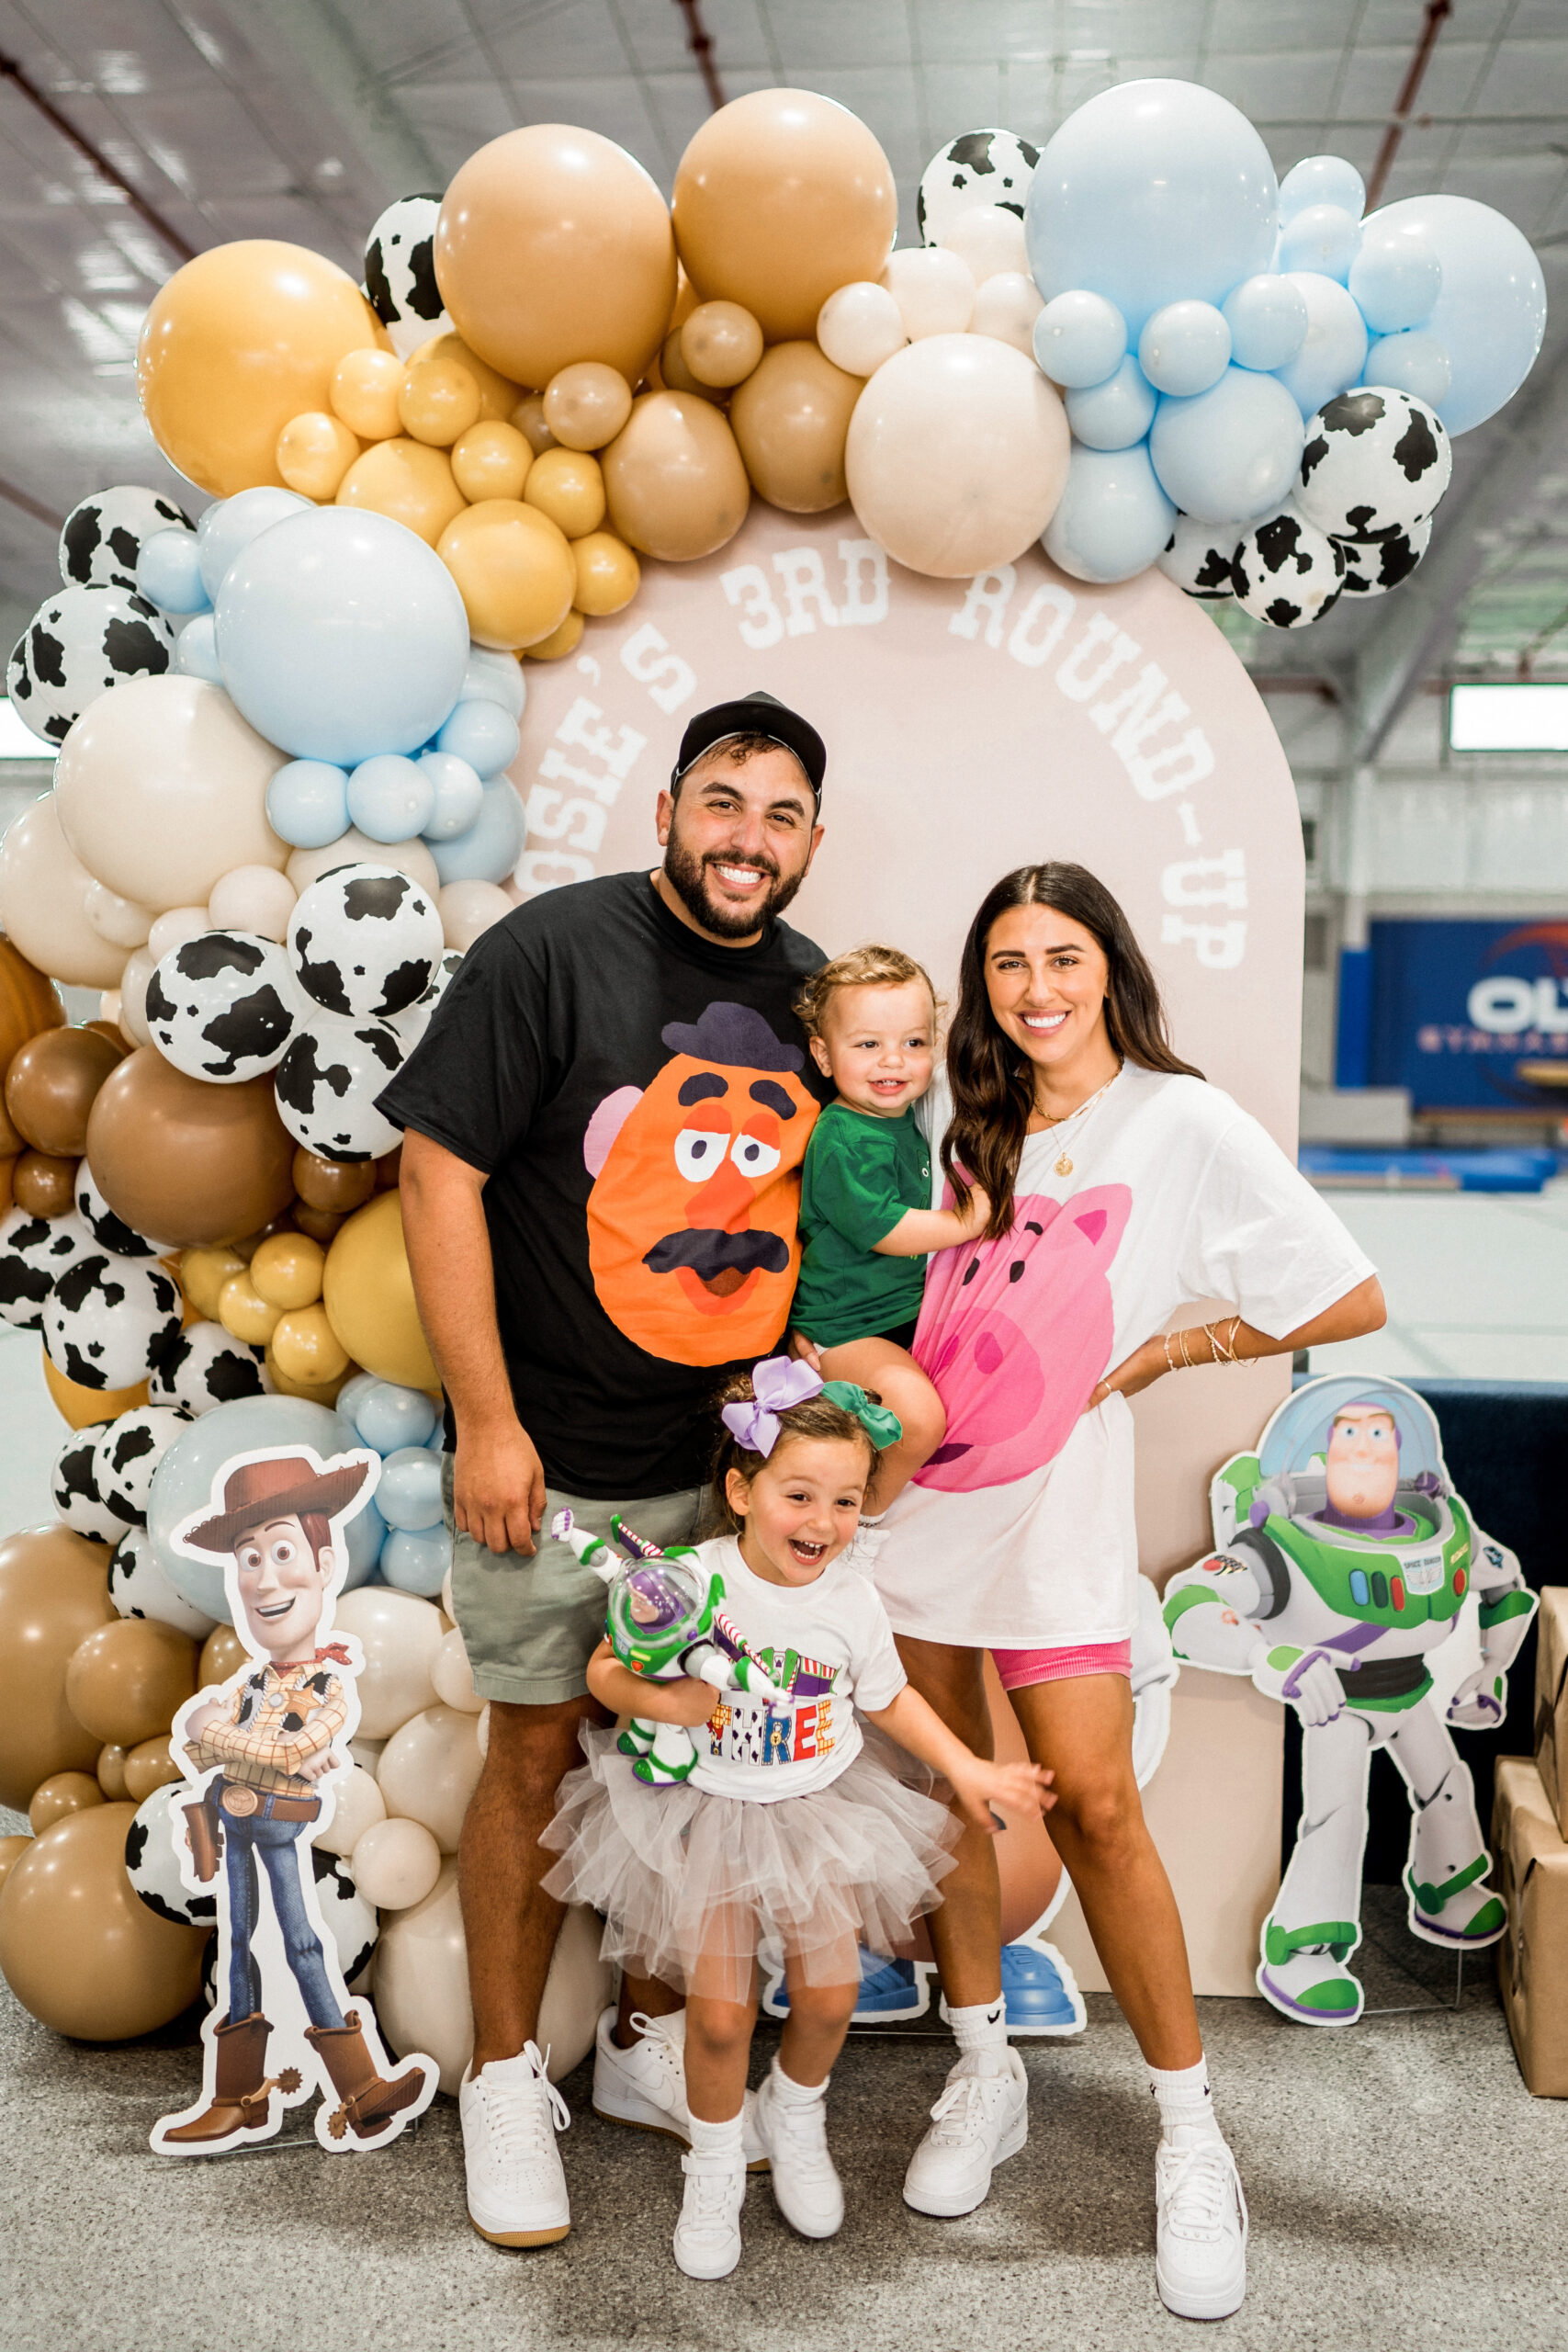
pixel 1406 2190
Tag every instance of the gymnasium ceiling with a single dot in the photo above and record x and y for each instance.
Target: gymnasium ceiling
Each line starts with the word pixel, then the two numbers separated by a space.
pixel 299 118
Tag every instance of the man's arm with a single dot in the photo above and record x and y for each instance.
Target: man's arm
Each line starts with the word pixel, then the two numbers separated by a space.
pixel 498 1481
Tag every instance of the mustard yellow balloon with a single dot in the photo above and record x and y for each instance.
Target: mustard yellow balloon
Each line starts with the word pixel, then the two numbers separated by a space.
pixel 562 640
pixel 437 401
pixel 305 1347
pixel 369 1297
pixel 513 571
pixel 236 342
pixel 498 393
pixel 673 479
pixel 721 342
pixel 286 1271
pixel 202 1274
pixel 82 1407
pixel 314 452
pixel 244 1313
pixel 492 460
pixel 365 388
pixel 324 1393
pixel 569 486
pixel 406 480
pixel 608 574
pixel 586 404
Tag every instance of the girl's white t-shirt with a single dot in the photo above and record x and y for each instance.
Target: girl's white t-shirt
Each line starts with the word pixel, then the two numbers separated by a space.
pixel 827 1645
pixel 1018 1532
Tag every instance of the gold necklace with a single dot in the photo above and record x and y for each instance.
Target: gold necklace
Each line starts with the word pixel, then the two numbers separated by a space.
pixel 1064 1165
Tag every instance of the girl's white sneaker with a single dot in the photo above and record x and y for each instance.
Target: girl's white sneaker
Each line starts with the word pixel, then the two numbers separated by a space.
pixel 807 2188
pixel 708 2235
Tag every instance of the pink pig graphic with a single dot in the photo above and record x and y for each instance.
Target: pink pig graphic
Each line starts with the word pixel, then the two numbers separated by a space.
pixel 1015 1333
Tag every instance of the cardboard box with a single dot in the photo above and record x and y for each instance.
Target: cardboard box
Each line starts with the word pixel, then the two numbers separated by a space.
pixel 1551 1700
pixel 1532 1959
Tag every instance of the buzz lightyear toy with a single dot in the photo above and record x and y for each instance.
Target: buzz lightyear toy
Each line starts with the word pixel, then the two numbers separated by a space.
pixel 1343 1562
pixel 663 1619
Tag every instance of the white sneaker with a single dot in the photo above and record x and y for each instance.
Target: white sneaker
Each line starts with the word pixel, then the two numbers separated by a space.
pixel 708 2235
pixel 807 2189
pixel 978 2121
pixel 1201 2227
pixel 644 2086
pixel 511 2112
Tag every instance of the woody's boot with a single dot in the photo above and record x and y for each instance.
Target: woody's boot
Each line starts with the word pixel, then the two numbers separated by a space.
pixel 242 2092
pixel 367 2102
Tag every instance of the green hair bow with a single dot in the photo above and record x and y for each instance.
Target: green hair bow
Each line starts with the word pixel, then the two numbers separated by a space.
pixel 881 1425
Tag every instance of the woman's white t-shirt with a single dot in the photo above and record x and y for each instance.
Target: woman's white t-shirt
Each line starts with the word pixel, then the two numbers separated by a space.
pixel 827 1645
pixel 1018 1532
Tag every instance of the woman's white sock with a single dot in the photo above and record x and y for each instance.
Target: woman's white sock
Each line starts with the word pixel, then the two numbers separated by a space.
pixel 981 2033
pixel 1185 2100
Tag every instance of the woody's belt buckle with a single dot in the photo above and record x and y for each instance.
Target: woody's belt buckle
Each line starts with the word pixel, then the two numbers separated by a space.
pixel 240 1802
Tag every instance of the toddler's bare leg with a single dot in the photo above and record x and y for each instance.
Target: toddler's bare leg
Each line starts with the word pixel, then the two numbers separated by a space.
pixel 819 2019
pixel 903 1388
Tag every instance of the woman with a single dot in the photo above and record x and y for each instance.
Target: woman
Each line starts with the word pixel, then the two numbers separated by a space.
pixel 1122 1186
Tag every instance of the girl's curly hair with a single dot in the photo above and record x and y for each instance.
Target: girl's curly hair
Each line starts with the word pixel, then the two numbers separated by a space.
pixel 818 1417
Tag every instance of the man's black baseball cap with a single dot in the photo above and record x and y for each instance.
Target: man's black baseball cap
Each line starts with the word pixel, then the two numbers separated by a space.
pixel 755 714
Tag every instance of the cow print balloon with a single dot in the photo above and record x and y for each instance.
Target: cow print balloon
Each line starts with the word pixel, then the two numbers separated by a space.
pixel 207 1366
pixel 1381 564
pixel 152 1859
pixel 365 942
pixel 33 1250
pixel 107 1320
pixel 327 1084
pixel 109 1231
pixel 222 1006
pixel 138 1588
pixel 399 273
pixel 353 1924
pixel 1199 557
pixel 104 536
pixel 412 1025
pixel 1287 573
pixel 73 1483
pixel 981 167
pixel 76 647
pixel 127 1452
pixel 1376 461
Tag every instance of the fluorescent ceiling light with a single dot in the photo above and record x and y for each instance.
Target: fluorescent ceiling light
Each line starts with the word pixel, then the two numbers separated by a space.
pixel 1509 719
pixel 19 743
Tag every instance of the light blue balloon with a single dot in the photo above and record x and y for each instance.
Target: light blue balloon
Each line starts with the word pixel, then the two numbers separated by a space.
pixel 1230 454
pixel 1323 237
pixel 417 1561
pixel 183 1481
pixel 168 572
pixel 1396 277
pixel 390 797
pixel 388 1416
pixel 196 651
pixel 1491 314
pixel 1334 352
pixel 1322 179
pixel 231 524
pixel 1079 339
pixel 1114 518
pixel 367 1539
pixel 457 795
pixel 494 677
pixel 348 1397
pixel 1152 192
pixel 1413 362
pixel 1267 320
pixel 1185 347
pixel 436 1440
pixel 306 804
pixel 484 734
pixel 342 634
pixel 410 1492
pixel 1115 414
pixel 493 844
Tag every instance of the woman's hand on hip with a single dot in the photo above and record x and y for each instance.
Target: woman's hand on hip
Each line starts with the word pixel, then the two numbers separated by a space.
pixel 1140 1370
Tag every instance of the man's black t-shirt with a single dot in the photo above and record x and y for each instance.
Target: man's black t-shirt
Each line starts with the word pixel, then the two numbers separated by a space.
pixel 640 1101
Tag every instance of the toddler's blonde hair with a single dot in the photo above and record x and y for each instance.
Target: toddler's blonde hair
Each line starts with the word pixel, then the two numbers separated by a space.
pixel 872 966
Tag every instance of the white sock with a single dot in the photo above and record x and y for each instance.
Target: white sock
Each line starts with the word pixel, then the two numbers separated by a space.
pixel 981 2033
pixel 716 2138
pixel 789 2093
pixel 1185 2101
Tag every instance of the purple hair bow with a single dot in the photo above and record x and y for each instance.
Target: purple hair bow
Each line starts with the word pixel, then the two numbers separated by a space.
pixel 777 1382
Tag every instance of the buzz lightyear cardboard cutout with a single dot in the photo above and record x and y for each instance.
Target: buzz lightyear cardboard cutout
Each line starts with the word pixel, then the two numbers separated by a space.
pixel 260 1753
pixel 1350 1580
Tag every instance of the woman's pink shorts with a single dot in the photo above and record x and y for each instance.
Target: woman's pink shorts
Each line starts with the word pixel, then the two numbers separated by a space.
pixel 1019 1669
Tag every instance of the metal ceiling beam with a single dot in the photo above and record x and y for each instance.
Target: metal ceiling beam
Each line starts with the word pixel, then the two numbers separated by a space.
pixel 319 38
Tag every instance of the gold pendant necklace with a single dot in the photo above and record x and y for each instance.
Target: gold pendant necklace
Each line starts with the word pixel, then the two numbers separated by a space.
pixel 1063 1166
pixel 1065 1163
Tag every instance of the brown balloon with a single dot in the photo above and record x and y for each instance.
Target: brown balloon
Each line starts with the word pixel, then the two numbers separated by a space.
pixel 51 1085
pixel 190 1162
pixel 340 1185
pixel 42 1185
pixel 149 1766
pixel 221 1653
pixel 319 1224
pixel 53 1592
pixel 78 1947
pixel 11 1850
pixel 388 1169
pixel 61 1793
pixel 111 1771
pixel 29 1001
pixel 11 1140
pixel 673 479
pixel 791 419
pixel 125 1680
pixel 117 1037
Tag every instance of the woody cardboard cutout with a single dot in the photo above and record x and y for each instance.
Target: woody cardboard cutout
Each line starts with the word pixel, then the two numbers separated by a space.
pixel 261 1752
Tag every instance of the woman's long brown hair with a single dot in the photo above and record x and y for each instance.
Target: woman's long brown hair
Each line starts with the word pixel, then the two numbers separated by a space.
pixel 992 1082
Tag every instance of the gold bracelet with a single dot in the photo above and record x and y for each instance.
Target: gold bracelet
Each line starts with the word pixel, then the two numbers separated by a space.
pixel 1223 1353
pixel 1236 1356
pixel 1168 1365
pixel 1182 1343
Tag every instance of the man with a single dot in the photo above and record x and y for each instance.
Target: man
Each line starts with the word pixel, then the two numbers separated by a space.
pixel 604 1126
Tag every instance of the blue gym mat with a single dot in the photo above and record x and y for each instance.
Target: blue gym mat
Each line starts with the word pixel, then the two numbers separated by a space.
pixel 1332 1169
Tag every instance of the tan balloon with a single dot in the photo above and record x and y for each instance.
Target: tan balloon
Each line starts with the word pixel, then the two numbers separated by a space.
pixel 11 1850
pixel 111 1771
pixel 569 486
pixel 586 404
pixel 437 401
pixel 221 1653
pixel 186 1161
pixel 492 460
pixel 790 419
pixel 364 393
pixel 244 1314
pixel 560 641
pixel 553 245
pixel 782 196
pixel 149 1766
pixel 400 1635
pixel 721 343
pixel 202 1276
pixel 513 567
pixel 313 1393
pixel 675 376
pixel 161 789
pixel 53 1593
pixel 498 393
pixel 125 1680
pixel 356 1806
pixel 78 1947
pixel 957 454
pixel 529 418
pixel 673 479
pixel 315 451
pixel 43 893
pixel 368 1294
pixel 61 1793
pixel 608 574
pixel 395 1864
pixel 403 480
pixel 287 1270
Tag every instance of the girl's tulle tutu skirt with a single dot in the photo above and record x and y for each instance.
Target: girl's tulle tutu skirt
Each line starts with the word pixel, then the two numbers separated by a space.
pixel 696 1888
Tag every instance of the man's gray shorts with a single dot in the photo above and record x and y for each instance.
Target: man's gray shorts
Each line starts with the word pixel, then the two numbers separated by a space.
pixel 531 1626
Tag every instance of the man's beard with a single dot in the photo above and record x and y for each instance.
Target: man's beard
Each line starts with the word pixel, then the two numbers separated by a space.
pixel 687 876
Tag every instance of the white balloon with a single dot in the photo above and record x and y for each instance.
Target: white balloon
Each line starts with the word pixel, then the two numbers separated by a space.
pixel 467 909
pixel 366 1753
pixel 934 289
pixel 430 1769
pixel 395 1864
pixel 354 848
pixel 991 239
pixel 252 897
pixel 452 1676
pixel 399 1634
pixel 1007 307
pixel 859 326
pixel 356 1804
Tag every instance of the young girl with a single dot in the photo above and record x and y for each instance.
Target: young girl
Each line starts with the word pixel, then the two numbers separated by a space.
pixel 865 1189
pixel 791 1841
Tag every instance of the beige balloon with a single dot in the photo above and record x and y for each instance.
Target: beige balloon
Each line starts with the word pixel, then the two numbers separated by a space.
pixel 119 921
pixel 674 479
pixel 957 454
pixel 453 1677
pixel 161 789
pixel 991 239
pixel 429 1769
pixel 859 326
pixel 399 1634
pixel 43 894
pixel 585 405
pixel 358 1805
pixel 395 1864
pixel 790 419
pixel 252 897
pixel 1007 307
pixel 467 909
pixel 934 290
pixel 721 343
pixel 354 848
